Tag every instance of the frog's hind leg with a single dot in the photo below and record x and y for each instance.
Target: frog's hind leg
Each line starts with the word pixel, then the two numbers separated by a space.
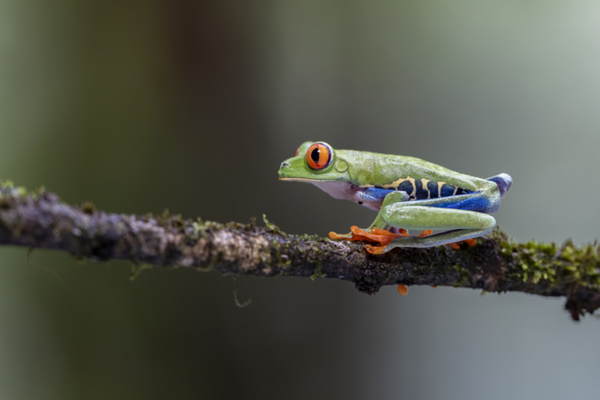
pixel 456 224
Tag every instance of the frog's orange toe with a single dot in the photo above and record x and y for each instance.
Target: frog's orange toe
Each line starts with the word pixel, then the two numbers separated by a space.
pixel 455 246
pixel 377 231
pixel 335 236
pixel 377 235
pixel 349 236
pixel 403 290
pixel 375 249
pixel 425 233
pixel 357 231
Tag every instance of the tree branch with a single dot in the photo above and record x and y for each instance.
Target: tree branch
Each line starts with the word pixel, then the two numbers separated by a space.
pixel 494 264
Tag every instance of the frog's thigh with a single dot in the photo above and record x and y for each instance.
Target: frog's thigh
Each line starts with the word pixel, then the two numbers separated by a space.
pixel 407 216
pixel 456 225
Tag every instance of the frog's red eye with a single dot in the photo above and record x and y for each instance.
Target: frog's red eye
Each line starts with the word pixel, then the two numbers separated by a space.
pixel 297 151
pixel 319 155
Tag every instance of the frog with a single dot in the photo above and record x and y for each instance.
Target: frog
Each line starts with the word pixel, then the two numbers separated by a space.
pixel 407 193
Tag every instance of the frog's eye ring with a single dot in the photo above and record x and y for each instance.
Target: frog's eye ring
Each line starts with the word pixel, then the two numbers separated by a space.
pixel 319 156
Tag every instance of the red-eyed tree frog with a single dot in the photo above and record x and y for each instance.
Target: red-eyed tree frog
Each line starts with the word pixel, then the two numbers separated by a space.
pixel 407 192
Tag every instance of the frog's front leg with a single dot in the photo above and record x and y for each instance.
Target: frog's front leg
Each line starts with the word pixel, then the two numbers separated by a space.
pixel 391 198
pixel 377 232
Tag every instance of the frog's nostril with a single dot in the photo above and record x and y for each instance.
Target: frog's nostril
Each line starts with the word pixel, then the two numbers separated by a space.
pixel 284 164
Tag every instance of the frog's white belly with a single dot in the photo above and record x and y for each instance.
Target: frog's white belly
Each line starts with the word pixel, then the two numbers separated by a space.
pixel 348 191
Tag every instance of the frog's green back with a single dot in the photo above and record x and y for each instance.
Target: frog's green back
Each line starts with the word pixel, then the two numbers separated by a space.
pixel 368 169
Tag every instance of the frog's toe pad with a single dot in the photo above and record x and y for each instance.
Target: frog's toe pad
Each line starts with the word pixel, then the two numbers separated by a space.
pixel 335 236
pixel 354 236
pixel 375 249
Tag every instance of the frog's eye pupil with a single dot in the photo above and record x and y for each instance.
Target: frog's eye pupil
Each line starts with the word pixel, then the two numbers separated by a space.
pixel 315 155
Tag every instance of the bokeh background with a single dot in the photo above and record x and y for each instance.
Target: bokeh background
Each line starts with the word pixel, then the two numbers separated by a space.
pixel 139 106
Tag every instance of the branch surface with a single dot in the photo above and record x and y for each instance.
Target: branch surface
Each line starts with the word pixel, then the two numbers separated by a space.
pixel 495 264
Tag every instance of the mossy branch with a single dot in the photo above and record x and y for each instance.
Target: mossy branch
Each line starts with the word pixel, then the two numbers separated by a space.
pixel 494 264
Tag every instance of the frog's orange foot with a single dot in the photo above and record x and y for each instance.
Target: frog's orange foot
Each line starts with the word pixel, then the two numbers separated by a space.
pixel 380 236
pixel 376 235
pixel 375 249
pixel 469 242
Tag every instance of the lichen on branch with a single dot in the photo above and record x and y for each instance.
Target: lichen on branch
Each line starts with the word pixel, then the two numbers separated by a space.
pixel 495 264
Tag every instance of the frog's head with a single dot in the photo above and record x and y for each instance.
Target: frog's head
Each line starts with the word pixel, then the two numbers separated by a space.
pixel 314 162
pixel 329 170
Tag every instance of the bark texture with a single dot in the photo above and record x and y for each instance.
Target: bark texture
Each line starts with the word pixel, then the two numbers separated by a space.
pixel 495 263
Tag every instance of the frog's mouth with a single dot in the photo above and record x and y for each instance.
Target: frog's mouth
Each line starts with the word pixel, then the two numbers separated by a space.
pixel 308 180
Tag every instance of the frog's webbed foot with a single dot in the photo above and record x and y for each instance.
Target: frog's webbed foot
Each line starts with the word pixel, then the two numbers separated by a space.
pixel 376 235
pixel 380 236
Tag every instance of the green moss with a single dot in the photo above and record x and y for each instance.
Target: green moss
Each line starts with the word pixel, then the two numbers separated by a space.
pixel 12 192
pixel 463 276
pixel 88 208
pixel 272 227
pixel 546 263
pixel 318 272
pixel 280 261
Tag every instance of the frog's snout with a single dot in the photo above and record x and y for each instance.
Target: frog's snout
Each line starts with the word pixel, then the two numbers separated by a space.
pixel 282 167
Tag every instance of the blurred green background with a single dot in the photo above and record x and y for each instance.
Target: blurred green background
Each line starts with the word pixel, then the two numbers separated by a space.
pixel 139 106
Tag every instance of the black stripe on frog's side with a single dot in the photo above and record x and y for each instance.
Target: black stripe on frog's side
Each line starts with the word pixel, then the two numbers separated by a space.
pixel 434 189
pixel 422 192
pixel 406 186
pixel 447 190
